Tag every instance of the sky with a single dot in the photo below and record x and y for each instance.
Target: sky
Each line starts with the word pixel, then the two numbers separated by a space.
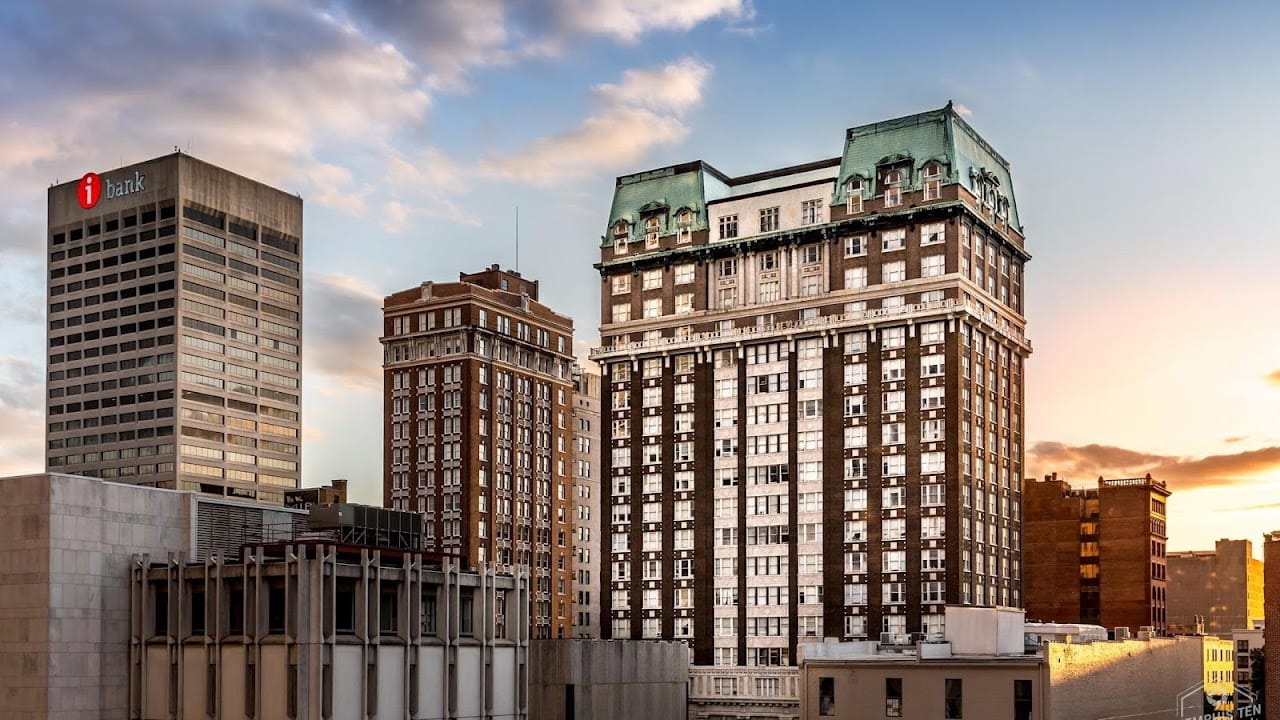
pixel 1141 138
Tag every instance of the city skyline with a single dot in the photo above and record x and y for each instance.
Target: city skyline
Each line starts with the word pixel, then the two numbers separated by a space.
pixel 397 132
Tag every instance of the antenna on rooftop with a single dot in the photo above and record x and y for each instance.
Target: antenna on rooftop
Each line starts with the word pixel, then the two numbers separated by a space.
pixel 517 268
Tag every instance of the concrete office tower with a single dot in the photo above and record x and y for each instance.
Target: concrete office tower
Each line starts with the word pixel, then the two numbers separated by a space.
pixel 1223 586
pixel 812 395
pixel 1096 555
pixel 586 498
pixel 1271 558
pixel 175 324
pixel 477 392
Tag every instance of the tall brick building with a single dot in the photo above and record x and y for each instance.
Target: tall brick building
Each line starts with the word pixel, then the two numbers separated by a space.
pixel 812 394
pixel 586 498
pixel 1096 555
pixel 1271 572
pixel 1223 586
pixel 477 385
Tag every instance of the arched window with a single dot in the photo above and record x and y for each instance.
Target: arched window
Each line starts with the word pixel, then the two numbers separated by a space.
pixel 620 237
pixel 651 233
pixel 853 195
pixel 893 188
pixel 932 181
pixel 684 226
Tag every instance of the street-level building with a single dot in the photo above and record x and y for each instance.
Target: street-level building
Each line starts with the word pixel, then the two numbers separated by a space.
pixel 586 498
pixel 477 393
pixel 1215 591
pixel 1096 555
pixel 175 329
pixel 1271 570
pixel 812 394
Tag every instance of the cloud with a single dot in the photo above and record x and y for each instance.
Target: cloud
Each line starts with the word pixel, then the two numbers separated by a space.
pixel 627 20
pixel 642 111
pixel 1235 439
pixel 1182 473
pixel 963 110
pixel 343 320
pixel 21 416
pixel 1273 377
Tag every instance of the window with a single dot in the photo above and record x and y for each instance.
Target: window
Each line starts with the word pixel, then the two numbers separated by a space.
pixel 620 237
pixel 769 291
pixel 893 240
pixel 855 278
pixel 769 219
pixel 684 303
pixel 811 254
pixel 893 697
pixel 1022 702
pixel 651 280
pixel 684 226
pixel 855 246
pixel 653 308
pixel 932 181
pixel 728 226
pixel 728 297
pixel 932 233
pixel 810 212
pixel 810 285
pixel 651 233
pixel 621 312
pixel 728 268
pixel 826 697
pixel 893 188
pixel 684 274
pixel 853 195
pixel 953 701
pixel 894 271
pixel 932 265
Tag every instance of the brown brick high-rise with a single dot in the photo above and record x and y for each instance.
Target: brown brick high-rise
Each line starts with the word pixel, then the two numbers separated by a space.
pixel 1096 555
pixel 1271 578
pixel 1223 586
pixel 476 428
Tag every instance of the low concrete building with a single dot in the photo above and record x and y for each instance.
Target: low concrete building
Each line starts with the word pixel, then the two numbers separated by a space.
pixel 65 543
pixel 316 630
pixel 580 679
pixel 744 692
pixel 985 670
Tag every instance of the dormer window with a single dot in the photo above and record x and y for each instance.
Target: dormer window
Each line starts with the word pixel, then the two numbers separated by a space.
pixel 620 232
pixel 893 188
pixel 853 196
pixel 932 181
pixel 684 227
pixel 651 234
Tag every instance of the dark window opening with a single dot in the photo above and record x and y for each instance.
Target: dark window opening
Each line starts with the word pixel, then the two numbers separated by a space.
pixel 1022 704
pixel 827 696
pixel 893 697
pixel 388 612
pixel 197 612
pixel 954 700
pixel 275 610
pixel 345 609
pixel 235 613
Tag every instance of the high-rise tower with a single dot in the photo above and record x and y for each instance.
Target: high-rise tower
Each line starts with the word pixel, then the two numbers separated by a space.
pixel 812 394
pixel 175 329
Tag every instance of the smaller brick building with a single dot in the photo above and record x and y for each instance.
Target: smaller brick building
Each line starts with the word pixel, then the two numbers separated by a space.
pixel 1096 555
pixel 1271 575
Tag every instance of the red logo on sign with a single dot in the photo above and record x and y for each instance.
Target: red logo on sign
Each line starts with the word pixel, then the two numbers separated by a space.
pixel 89 191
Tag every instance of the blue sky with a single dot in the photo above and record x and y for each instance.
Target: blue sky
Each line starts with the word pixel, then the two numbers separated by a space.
pixel 1140 138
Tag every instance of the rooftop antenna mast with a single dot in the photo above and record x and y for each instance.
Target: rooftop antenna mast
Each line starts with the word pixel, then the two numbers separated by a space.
pixel 517 238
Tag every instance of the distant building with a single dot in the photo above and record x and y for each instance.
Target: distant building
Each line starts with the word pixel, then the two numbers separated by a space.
pixel 1096 555
pixel 477 385
pixel 1271 553
pixel 65 546
pixel 584 679
pixel 586 499
pixel 986 669
pixel 1222 586
pixel 306 498
pixel 175 323
pixel 316 628
pixel 1246 641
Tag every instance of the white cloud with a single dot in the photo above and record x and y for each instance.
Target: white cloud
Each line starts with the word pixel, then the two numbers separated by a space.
pixel 343 320
pixel 644 110
pixel 963 110
pixel 627 20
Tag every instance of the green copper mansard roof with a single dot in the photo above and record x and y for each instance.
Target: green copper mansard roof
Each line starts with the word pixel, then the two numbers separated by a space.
pixel 937 135
pixel 940 135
